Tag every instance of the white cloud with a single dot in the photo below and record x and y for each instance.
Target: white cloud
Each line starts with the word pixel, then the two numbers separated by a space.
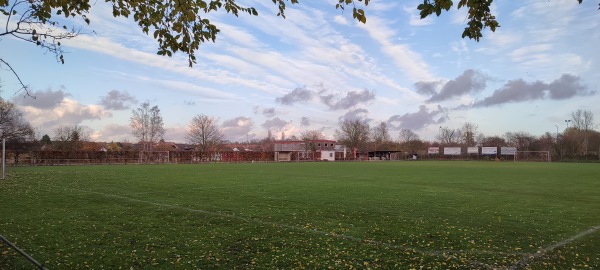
pixel 69 112
pixel 113 132
pixel 341 20
pixel 201 71
pixel 547 21
pixel 239 36
pixel 193 89
pixel 501 38
pixel 415 17
pixel 529 53
pixel 238 128
pixel 405 58
pixel 459 16
pixel 176 134
pixel 460 46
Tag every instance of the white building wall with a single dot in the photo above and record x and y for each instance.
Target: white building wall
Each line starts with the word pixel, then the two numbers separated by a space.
pixel 328 155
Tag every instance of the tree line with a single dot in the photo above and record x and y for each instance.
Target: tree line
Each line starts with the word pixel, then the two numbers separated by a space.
pixel 579 140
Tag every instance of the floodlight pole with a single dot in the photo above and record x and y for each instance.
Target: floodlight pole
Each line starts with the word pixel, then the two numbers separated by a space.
pixel 556 132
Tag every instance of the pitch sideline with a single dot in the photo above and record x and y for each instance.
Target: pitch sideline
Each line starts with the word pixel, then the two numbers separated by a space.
pixel 530 257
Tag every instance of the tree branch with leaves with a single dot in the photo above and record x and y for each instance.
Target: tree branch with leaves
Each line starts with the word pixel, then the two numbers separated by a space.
pixel 31 21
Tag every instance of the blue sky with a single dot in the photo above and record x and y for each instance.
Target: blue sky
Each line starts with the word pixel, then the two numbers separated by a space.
pixel 319 66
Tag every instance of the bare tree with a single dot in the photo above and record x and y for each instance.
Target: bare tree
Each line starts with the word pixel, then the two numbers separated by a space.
pixel 572 143
pixel 469 133
pixel 147 125
pixel 204 132
pixel 70 137
pixel 353 133
pixel 448 136
pixel 479 138
pixel 521 140
pixel 546 142
pixel 407 135
pixel 583 123
pixel 12 124
pixel 380 133
pixel 311 135
pixel 493 141
pixel 410 141
pixel 583 120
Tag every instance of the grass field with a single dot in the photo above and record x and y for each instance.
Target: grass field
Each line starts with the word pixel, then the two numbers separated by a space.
pixel 394 215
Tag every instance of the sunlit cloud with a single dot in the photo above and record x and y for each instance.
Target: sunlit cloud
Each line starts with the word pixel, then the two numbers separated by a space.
pixel 402 55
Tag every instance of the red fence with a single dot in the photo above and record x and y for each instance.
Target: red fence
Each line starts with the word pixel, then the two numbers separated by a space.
pixel 132 157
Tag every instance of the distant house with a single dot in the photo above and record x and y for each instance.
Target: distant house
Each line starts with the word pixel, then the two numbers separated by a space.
pixel 165 146
pixel 242 147
pixel 305 150
pixel 185 147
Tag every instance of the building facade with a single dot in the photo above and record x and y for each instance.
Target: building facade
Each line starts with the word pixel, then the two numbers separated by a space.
pixel 309 150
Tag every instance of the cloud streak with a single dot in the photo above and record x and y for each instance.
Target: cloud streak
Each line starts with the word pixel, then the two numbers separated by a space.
pixel 275 123
pixel 297 95
pixel 48 99
pixel 470 81
pixel 351 100
pixel 419 119
pixel 356 114
pixel 565 87
pixel 403 56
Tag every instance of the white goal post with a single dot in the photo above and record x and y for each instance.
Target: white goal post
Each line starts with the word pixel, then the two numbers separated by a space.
pixel 538 156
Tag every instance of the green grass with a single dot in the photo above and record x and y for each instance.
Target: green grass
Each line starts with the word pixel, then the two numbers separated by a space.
pixel 402 215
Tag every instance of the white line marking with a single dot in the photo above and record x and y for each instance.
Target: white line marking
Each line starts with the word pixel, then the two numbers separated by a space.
pixel 446 254
pixel 530 257
pixel 231 186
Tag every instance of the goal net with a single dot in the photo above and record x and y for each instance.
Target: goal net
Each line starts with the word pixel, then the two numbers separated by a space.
pixel 533 156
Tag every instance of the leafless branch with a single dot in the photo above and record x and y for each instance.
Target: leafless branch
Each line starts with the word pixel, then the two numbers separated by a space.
pixel 23 86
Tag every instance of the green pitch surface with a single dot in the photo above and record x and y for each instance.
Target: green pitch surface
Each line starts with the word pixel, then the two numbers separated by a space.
pixel 394 215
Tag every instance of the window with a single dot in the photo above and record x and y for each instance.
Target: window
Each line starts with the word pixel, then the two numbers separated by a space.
pixel 330 154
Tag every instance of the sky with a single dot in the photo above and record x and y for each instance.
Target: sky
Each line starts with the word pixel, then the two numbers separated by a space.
pixel 319 66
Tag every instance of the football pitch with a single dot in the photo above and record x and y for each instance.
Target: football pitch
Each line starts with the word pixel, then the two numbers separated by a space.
pixel 391 215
